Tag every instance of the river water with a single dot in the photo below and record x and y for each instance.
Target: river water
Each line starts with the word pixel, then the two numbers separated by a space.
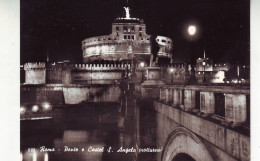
pixel 100 131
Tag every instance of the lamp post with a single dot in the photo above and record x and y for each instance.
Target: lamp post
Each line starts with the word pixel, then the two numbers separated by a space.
pixel 192 31
pixel 203 63
pixel 142 66
pixel 171 70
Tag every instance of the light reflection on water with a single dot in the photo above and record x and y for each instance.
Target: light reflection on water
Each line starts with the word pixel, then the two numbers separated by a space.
pixel 46 157
pixel 34 156
pixel 79 133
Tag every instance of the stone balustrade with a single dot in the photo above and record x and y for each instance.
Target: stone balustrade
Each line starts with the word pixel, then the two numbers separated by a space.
pixel 229 104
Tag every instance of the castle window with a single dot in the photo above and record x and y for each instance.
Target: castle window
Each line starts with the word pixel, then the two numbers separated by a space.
pixel 117 28
pixel 109 38
pixel 133 37
pixel 125 37
pixel 169 42
pixel 163 40
pixel 125 28
pixel 132 28
pixel 140 34
pixel 117 34
pixel 129 37
pixel 157 40
pixel 140 28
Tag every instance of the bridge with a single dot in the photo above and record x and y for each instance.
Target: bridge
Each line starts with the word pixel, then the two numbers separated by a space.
pixel 206 123
pixel 196 122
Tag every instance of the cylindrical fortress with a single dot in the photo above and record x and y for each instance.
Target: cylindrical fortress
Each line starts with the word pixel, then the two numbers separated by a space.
pixel 128 40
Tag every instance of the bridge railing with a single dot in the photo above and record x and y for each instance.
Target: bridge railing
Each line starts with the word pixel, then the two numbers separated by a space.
pixel 228 104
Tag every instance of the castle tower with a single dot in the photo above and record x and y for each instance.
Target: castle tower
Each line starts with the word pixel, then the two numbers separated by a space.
pixel 35 73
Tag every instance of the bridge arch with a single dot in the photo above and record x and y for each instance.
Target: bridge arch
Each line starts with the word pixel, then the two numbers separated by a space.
pixel 183 142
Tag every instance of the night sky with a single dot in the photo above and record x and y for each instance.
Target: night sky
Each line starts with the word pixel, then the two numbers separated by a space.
pixel 57 27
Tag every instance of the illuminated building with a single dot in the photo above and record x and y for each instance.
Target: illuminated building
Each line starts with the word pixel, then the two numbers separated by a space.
pixel 106 59
pixel 128 40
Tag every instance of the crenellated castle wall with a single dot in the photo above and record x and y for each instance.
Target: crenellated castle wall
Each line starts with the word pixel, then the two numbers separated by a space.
pixel 97 73
pixel 101 66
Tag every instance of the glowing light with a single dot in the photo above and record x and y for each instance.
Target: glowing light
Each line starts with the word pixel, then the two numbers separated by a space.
pixel 35 108
pixel 171 70
pixel 46 106
pixel 46 157
pixel 203 63
pixel 142 64
pixel 22 110
pixel 192 30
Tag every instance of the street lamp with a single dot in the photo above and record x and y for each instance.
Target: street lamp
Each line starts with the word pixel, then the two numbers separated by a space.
pixel 35 108
pixel 203 63
pixel 192 31
pixel 46 106
pixel 171 70
pixel 142 66
pixel 22 110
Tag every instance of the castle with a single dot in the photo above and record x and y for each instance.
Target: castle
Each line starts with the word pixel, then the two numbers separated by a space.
pixel 127 41
pixel 123 55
